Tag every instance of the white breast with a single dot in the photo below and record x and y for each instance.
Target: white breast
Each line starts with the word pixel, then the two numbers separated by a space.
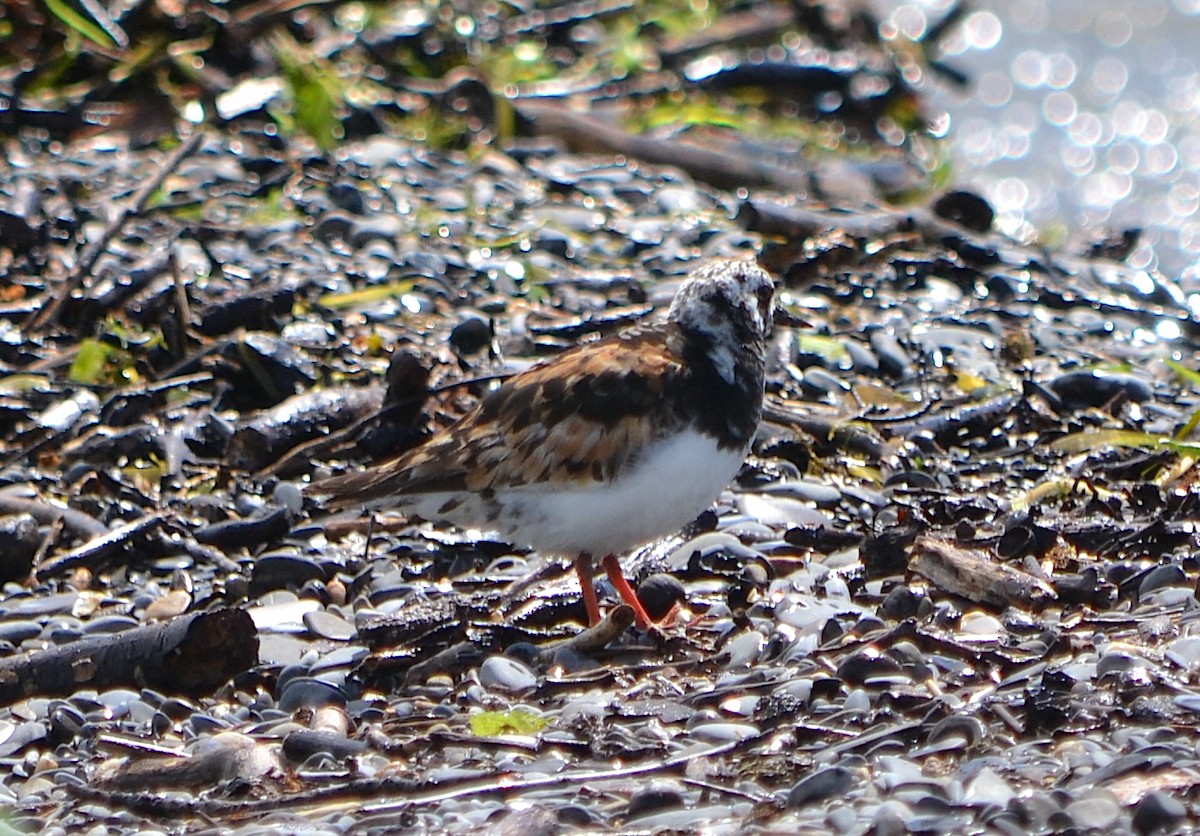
pixel 676 480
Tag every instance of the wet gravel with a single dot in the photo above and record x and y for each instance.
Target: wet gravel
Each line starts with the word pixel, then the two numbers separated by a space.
pixel 957 403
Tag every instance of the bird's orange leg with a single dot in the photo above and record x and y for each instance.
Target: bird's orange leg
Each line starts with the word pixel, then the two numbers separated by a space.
pixel 617 579
pixel 587 584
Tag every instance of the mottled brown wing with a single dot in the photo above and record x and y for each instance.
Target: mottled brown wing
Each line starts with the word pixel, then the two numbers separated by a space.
pixel 577 418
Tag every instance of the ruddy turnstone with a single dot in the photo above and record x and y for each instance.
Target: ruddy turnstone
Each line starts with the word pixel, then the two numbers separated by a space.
pixel 604 447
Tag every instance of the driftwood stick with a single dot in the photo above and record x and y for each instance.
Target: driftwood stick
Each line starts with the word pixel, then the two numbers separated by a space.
pixel 720 168
pixel 976 576
pixel 101 547
pixel 192 654
pixel 597 637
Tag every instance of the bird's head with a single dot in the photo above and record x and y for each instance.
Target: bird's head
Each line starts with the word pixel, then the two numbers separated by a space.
pixel 726 300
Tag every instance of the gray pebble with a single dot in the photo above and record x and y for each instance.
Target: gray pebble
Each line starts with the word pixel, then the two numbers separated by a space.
pixel 1096 811
pixel 386 227
pixel 891 819
pixel 862 358
pixel 1158 811
pixel 654 799
pixel 307 692
pixel 1095 389
pixel 498 673
pixel 1161 577
pixel 326 625
pixel 826 783
pixel 893 359
pixel 288 495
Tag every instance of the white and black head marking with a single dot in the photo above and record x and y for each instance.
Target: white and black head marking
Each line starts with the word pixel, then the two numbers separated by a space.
pixel 728 303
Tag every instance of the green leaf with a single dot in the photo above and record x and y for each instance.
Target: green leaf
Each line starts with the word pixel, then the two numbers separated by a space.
pixel 1093 439
pixel 1085 441
pixel 830 349
pixel 538 293
pixel 90 362
pixel 315 92
pixel 315 108
pixel 1051 489
pixel 1185 374
pixel 15 384
pixel 497 723
pixel 1187 429
pixel 366 296
pixel 1180 447
pixel 80 24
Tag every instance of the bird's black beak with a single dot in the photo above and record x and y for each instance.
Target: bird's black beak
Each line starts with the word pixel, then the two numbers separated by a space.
pixel 783 318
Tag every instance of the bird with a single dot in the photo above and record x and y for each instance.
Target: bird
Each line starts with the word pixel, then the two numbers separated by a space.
pixel 604 447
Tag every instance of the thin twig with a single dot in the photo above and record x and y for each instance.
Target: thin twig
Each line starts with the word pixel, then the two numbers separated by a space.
pixel 183 310
pixel 708 785
pixel 133 207
pixel 922 409
pixel 269 10
pixel 517 786
pixel 407 792
pixel 52 534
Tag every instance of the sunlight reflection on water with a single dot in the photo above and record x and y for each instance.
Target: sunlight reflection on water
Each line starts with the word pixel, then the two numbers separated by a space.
pixel 1083 116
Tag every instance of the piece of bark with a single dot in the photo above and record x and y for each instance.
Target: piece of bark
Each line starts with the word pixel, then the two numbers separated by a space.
pixel 797 221
pixel 971 574
pixel 300 418
pixel 249 533
pixel 453 660
pixel 956 422
pixel 190 655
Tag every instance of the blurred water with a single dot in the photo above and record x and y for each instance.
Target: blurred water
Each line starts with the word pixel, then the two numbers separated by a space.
pixel 1082 116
